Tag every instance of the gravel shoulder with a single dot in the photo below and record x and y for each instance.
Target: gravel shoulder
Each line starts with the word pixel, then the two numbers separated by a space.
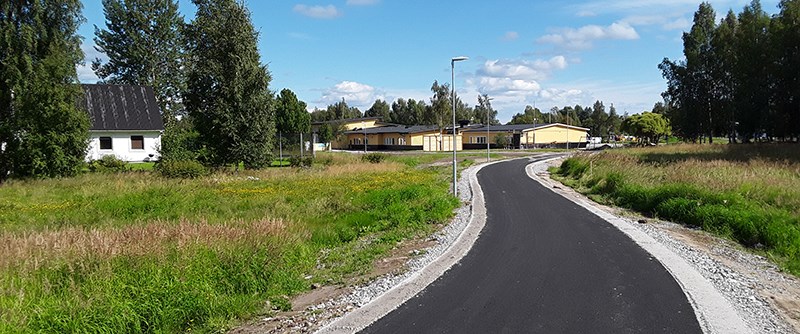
pixel 767 299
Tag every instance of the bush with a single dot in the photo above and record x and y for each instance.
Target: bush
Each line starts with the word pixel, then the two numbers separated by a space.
pixel 296 161
pixel 184 169
pixel 108 164
pixel 374 158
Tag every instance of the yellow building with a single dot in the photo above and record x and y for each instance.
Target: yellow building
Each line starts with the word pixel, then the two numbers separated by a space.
pixel 527 136
pixel 401 138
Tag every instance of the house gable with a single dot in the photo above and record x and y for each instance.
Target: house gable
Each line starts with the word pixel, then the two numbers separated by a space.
pixel 121 108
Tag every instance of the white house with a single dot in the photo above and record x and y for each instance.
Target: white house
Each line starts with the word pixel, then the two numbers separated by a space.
pixel 126 122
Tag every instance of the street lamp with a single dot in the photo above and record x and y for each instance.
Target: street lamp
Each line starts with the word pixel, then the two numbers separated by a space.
pixel 534 131
pixel 489 103
pixel 453 102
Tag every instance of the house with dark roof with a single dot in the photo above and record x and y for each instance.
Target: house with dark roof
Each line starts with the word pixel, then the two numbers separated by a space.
pixel 125 122
pixel 394 138
pixel 555 135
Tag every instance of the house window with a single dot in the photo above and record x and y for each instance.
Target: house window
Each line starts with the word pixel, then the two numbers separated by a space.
pixel 388 141
pixel 137 142
pixel 105 143
pixel 478 140
pixel 401 141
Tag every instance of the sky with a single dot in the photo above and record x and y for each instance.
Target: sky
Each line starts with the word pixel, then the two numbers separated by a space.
pixel 521 52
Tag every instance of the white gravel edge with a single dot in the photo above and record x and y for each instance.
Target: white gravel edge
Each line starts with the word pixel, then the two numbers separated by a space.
pixel 714 312
pixel 384 295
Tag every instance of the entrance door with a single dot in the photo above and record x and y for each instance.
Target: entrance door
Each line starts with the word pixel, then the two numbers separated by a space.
pixel 515 141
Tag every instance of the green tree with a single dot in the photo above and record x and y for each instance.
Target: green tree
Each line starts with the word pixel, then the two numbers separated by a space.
pixel 484 109
pixel 290 114
pixel 752 71
pixel 340 110
pixel 228 95
pixel 380 109
pixel 501 139
pixel 531 115
pixel 786 67
pixel 42 131
pixel 648 127
pixel 144 43
pixel 598 121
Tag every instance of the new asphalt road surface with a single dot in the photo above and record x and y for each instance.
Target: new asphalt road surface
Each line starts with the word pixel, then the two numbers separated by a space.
pixel 542 264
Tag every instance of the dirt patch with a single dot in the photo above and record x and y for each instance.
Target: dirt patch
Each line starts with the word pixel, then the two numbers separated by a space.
pixel 305 318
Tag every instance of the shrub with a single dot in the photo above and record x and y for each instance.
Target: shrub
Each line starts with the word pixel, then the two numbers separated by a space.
pixel 108 164
pixel 185 169
pixel 296 161
pixel 374 158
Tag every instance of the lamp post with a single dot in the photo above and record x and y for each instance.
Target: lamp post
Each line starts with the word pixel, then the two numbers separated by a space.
pixel 364 125
pixel 453 102
pixel 534 131
pixel 489 106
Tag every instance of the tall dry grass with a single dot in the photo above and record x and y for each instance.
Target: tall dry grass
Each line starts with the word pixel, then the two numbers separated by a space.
pixel 27 251
pixel 749 193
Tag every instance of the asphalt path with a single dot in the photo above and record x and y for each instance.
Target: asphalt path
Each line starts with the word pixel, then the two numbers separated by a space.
pixel 542 264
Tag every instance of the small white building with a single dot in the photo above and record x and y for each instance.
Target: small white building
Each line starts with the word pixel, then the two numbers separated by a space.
pixel 126 122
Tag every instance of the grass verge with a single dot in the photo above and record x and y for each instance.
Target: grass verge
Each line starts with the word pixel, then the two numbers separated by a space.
pixel 748 193
pixel 137 253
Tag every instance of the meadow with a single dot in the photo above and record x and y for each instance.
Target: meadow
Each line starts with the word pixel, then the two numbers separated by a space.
pixel 748 193
pixel 137 253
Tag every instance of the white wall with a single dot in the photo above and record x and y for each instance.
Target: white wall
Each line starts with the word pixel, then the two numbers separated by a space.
pixel 121 145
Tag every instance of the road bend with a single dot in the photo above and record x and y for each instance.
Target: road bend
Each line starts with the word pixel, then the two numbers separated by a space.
pixel 542 264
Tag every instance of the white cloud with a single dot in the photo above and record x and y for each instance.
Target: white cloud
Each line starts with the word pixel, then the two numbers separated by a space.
pixel 85 72
pixel 510 36
pixel 583 37
pixel 318 12
pixel 354 93
pixel 522 69
pixel 362 2
pixel 680 23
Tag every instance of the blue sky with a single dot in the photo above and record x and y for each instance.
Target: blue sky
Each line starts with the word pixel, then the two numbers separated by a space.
pixel 542 53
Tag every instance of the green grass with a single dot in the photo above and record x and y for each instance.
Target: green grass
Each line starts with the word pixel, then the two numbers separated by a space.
pixel 133 252
pixel 748 193
pixel 141 166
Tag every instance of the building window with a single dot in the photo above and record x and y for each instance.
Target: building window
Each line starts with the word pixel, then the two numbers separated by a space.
pixel 105 143
pixel 137 142
pixel 388 141
pixel 478 140
pixel 401 141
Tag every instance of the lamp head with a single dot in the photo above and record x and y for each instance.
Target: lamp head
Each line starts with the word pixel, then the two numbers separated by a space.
pixel 461 58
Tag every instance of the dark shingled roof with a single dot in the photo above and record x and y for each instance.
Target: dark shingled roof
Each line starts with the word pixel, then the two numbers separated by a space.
pixel 402 129
pixel 121 107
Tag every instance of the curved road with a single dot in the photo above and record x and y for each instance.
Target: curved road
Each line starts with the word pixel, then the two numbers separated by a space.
pixel 542 264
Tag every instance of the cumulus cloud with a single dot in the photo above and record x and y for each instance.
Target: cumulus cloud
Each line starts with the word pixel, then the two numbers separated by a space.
pixel 85 72
pixel 355 94
pixel 522 69
pixel 680 23
pixel 582 38
pixel 510 36
pixel 318 12
pixel 362 2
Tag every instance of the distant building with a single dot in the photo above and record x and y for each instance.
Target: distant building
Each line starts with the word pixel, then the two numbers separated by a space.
pixel 125 122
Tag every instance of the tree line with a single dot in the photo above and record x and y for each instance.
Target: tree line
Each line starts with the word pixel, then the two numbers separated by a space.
pixel 740 77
